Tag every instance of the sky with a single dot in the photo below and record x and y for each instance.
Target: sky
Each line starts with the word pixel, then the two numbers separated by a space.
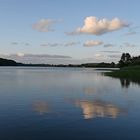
pixel 69 31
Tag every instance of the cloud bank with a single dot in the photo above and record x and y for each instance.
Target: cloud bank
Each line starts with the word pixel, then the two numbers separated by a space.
pixel 93 25
pixel 66 44
pixel 39 58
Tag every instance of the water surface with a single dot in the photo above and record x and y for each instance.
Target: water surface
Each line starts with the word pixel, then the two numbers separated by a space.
pixel 67 103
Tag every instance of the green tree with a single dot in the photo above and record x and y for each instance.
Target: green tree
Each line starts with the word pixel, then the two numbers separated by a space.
pixel 128 57
pixel 123 57
pixel 125 60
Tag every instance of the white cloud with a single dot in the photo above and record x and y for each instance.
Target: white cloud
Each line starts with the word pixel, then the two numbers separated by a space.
pixel 95 26
pixel 92 43
pixel 44 25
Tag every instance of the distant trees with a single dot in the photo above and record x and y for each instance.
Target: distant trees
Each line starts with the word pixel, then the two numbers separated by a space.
pixel 99 65
pixel 113 65
pixel 135 60
pixel 6 62
pixel 127 60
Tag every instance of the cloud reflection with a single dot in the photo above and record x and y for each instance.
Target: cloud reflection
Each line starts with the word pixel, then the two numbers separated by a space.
pixel 89 90
pixel 41 107
pixel 98 108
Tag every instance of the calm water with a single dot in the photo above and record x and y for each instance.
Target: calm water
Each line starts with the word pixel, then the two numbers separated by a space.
pixel 67 103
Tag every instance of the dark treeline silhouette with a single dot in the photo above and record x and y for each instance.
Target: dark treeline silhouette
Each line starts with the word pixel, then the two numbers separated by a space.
pixel 125 83
pixel 127 60
pixel 100 65
pixel 129 70
pixel 7 62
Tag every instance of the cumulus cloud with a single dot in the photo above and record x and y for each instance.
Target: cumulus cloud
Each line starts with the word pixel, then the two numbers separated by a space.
pixel 92 43
pixel 93 25
pixel 44 25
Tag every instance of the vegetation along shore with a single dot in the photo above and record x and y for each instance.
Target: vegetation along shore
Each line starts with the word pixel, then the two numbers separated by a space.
pixel 129 69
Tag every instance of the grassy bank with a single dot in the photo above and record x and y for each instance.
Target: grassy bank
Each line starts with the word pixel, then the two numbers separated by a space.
pixel 126 72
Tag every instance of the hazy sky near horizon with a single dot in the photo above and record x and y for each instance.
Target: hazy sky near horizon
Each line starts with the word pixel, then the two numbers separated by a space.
pixel 69 31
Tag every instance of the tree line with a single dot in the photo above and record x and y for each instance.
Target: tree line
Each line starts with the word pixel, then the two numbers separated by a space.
pixel 125 60
pixel 128 60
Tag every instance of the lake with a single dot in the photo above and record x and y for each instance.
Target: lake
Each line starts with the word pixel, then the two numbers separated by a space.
pixel 67 103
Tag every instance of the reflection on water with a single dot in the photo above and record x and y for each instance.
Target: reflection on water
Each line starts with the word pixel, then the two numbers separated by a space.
pixel 125 82
pixel 90 109
pixel 41 107
pixel 55 103
pixel 98 108
pixel 89 90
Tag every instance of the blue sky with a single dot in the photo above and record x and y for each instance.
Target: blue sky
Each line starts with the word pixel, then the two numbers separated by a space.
pixel 55 30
